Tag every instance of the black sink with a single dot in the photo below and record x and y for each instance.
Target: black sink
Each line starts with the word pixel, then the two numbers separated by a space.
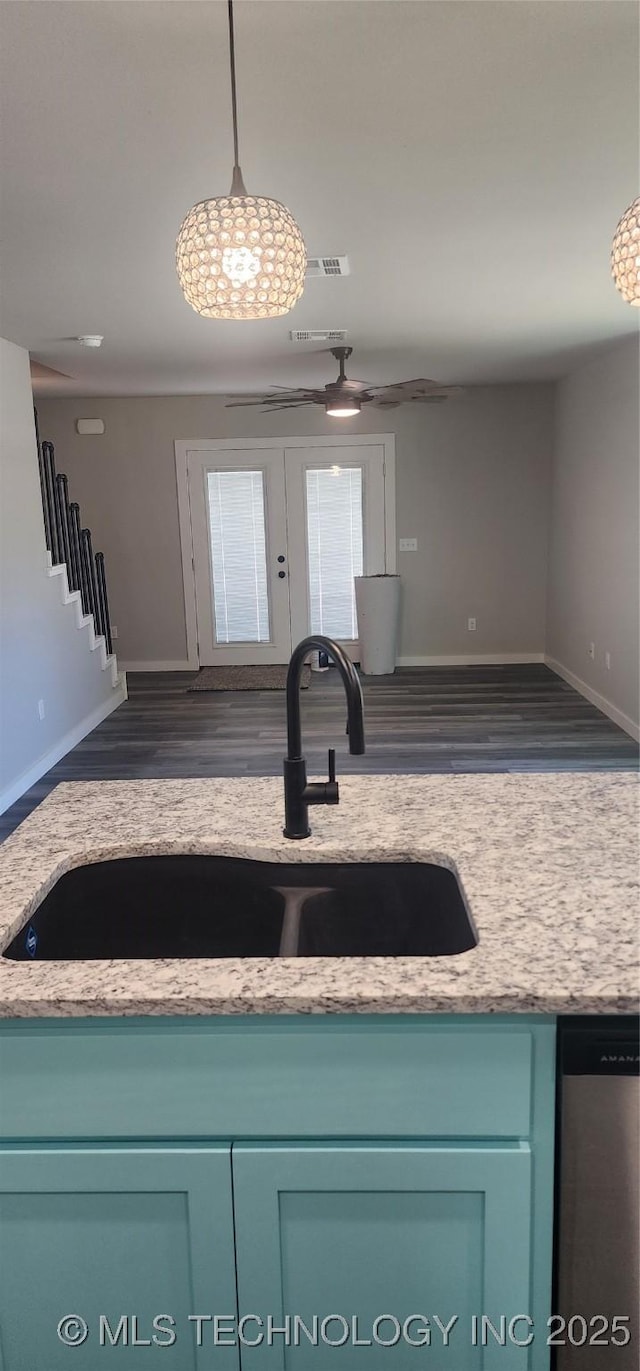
pixel 201 906
pixel 391 910
pixel 173 906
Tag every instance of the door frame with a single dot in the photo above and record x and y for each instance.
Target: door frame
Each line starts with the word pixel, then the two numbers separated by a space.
pixel 183 446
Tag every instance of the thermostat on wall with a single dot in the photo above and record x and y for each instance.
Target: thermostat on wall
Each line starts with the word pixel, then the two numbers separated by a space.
pixel 89 425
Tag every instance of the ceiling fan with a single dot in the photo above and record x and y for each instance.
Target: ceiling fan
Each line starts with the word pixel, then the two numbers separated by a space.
pixel 342 398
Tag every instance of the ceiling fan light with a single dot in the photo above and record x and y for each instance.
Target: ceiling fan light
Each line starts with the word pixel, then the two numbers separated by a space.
pixel 343 408
pixel 625 255
pixel 240 257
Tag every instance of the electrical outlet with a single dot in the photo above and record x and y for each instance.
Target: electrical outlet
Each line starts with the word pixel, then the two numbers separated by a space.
pixel 471 625
pixel 114 631
pixel 607 660
pixel 592 650
pixel 41 709
pixel 408 544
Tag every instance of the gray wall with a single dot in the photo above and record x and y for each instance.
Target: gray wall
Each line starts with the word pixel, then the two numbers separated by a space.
pixel 594 564
pixel 43 654
pixel 472 486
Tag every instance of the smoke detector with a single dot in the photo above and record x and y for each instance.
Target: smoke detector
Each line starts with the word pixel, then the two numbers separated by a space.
pixel 318 335
pixel 91 340
pixel 327 266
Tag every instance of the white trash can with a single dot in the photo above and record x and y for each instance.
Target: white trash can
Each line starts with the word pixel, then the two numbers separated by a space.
pixel 378 609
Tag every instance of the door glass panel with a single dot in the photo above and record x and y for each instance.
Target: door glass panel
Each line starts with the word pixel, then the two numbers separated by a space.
pixel 334 539
pixel 238 556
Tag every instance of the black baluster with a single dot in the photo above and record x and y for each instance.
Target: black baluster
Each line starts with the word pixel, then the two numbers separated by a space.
pixel 105 618
pixel 76 540
pixel 57 512
pixel 50 483
pixel 62 502
pixel 43 485
pixel 73 571
pixel 100 627
pixel 90 572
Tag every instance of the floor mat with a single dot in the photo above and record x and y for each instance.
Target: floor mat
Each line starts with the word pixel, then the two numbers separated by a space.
pixel 245 678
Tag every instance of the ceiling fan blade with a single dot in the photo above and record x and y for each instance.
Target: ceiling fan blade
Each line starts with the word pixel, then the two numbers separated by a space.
pixel 420 383
pixel 297 404
pixel 392 401
pixel 248 396
pixel 265 399
pixel 398 385
pixel 274 386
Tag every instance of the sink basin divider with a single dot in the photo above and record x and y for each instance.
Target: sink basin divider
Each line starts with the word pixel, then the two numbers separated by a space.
pixel 295 898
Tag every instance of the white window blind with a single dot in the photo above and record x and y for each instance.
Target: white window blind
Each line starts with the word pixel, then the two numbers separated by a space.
pixel 334 535
pixel 238 556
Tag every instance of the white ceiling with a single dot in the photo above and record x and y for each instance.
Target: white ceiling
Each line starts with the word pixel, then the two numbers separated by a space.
pixel 472 158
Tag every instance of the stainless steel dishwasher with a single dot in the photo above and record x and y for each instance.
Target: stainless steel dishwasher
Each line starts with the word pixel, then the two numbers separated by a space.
pixel 598 1207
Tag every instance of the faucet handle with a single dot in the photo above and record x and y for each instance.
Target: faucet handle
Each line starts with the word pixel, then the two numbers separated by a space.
pixel 330 791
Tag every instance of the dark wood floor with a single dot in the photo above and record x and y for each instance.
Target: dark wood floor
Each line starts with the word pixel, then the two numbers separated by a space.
pixel 444 719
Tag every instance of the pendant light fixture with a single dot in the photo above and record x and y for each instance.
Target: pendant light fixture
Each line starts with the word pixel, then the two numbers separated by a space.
pixel 625 255
pixel 240 256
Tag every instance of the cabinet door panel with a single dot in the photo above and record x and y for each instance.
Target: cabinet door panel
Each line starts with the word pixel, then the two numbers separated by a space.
pixel 133 1232
pixel 365 1231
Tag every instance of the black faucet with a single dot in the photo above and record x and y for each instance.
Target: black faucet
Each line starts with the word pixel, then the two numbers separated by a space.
pixel 298 793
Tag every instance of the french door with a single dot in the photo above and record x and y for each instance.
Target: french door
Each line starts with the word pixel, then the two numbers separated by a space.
pixel 239 532
pixel 278 532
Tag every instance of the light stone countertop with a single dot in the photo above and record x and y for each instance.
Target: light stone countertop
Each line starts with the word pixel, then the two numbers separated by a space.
pixel 549 864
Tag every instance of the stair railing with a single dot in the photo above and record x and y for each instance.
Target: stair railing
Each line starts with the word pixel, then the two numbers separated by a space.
pixel 103 601
pixel 70 544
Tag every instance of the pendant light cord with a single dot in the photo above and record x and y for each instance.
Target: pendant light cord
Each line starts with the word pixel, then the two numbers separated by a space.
pixel 234 99
pixel 237 183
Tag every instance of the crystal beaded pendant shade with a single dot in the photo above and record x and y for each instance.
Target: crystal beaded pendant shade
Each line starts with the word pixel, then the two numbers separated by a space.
pixel 240 256
pixel 625 255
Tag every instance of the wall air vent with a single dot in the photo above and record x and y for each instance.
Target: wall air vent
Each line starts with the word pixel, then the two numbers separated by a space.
pixel 328 266
pixel 318 335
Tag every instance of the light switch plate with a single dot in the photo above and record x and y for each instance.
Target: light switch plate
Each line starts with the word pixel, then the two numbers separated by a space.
pixel 408 544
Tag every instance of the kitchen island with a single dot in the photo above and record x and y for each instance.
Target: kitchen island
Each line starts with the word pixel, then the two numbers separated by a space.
pixel 548 865
pixel 348 1162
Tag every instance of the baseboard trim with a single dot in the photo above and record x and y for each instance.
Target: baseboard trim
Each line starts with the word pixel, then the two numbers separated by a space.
pixel 471 659
pixel 183 665
pixel 64 745
pixel 595 698
pixel 476 659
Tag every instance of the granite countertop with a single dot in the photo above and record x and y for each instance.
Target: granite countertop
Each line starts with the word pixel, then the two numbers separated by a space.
pixel 548 864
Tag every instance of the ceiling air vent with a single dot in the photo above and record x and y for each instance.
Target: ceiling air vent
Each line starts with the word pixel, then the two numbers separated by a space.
pixel 327 266
pixel 318 335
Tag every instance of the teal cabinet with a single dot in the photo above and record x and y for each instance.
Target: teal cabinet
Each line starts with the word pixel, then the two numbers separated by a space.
pixel 357 1251
pixel 309 1167
pixel 125 1233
